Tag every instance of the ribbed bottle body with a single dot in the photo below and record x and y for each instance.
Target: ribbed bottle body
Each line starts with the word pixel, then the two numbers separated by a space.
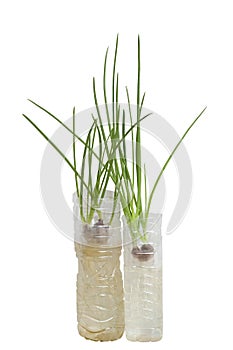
pixel 100 299
pixel 143 282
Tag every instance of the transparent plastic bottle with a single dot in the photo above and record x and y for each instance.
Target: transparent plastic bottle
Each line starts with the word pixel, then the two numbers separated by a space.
pixel 143 282
pixel 100 302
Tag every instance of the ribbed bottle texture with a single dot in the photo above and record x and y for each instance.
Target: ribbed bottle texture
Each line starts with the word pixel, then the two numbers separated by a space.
pixel 100 302
pixel 100 306
pixel 143 283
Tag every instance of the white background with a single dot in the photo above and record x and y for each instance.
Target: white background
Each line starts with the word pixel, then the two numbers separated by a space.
pixel 49 52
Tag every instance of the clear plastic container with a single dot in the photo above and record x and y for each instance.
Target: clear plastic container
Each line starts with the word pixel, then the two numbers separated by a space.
pixel 100 300
pixel 143 282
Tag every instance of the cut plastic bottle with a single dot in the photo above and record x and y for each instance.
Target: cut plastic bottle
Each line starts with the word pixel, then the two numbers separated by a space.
pixel 143 282
pixel 100 300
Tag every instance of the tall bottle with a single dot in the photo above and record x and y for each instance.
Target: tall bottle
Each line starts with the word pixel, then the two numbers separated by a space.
pixel 100 305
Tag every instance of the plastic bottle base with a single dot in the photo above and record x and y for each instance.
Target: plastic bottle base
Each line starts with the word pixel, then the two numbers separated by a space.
pixel 144 335
pixel 108 334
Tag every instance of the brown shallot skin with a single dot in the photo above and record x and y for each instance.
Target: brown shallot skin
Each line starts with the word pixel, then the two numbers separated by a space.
pixel 144 253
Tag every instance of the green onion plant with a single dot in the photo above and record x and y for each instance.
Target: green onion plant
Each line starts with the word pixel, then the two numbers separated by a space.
pixel 134 194
pixel 91 190
pixel 129 178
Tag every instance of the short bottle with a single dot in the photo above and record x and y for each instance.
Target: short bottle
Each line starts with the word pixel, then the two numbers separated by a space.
pixel 143 281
